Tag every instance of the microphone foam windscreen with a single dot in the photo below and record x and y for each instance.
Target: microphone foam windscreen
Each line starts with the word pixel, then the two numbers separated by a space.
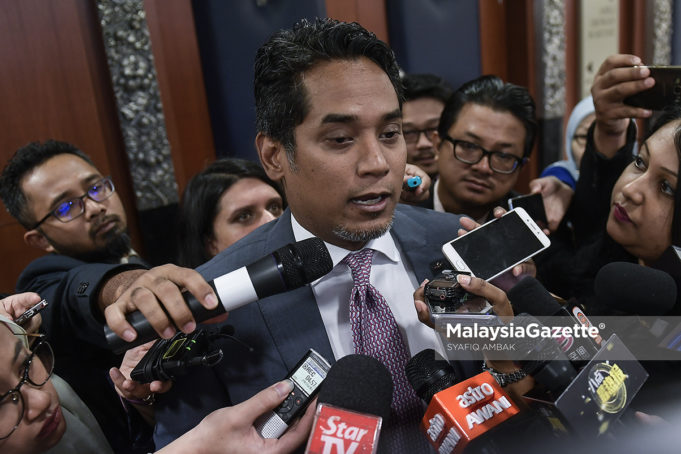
pixel 429 373
pixel 529 296
pixel 304 262
pixel 635 289
pixel 359 383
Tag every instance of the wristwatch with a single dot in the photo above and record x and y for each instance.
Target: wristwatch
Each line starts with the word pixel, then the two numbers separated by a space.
pixel 503 378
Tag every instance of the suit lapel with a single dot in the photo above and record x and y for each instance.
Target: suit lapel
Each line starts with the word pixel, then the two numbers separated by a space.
pixel 293 319
pixel 412 235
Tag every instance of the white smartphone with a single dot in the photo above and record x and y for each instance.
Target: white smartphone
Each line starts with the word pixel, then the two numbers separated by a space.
pixel 497 246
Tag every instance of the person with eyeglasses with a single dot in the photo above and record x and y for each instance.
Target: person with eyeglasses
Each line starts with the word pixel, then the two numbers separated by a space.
pixel 72 211
pixel 558 180
pixel 486 133
pixel 425 96
pixel 40 413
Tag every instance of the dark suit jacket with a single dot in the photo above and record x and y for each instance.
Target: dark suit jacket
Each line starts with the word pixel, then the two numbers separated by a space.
pixel 74 327
pixel 283 327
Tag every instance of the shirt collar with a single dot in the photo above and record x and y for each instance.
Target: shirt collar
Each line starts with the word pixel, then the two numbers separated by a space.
pixel 437 205
pixel 385 244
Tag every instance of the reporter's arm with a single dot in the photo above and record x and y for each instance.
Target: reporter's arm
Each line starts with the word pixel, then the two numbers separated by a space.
pixel 616 79
pixel 230 430
pixel 556 196
pixel 134 392
pixel 157 293
pixel 15 305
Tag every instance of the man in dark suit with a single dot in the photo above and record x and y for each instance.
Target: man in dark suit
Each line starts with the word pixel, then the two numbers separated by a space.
pixel 72 212
pixel 328 105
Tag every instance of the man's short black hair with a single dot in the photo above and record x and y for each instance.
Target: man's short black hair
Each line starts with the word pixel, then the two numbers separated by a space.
pixel 281 102
pixel 492 92
pixel 418 86
pixel 26 159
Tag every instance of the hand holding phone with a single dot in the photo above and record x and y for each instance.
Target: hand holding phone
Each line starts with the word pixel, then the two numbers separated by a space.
pixel 666 91
pixel 497 246
pixel 534 205
pixel 26 316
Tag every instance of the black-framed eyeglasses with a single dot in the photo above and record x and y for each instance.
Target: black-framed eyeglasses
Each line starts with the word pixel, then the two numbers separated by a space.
pixel 580 139
pixel 70 209
pixel 411 136
pixel 36 373
pixel 471 153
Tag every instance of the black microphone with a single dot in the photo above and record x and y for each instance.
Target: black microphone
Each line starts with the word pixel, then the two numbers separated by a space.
pixel 429 373
pixel 287 268
pixel 635 289
pixel 354 401
pixel 474 415
pixel 542 357
pixel 531 297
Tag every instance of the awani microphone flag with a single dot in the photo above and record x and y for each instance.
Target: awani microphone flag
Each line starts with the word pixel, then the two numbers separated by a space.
pixel 466 411
pixel 339 431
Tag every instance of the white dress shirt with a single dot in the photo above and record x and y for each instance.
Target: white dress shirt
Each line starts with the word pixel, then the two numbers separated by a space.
pixel 393 278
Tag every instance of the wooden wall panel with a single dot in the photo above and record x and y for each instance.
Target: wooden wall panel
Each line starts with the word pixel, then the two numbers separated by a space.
pixel 55 84
pixel 180 79
pixel 370 13
pixel 507 50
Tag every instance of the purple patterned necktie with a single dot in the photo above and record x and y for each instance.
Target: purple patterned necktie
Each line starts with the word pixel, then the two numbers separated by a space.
pixel 375 333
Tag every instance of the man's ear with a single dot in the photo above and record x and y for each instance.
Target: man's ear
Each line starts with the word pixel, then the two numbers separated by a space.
pixel 37 240
pixel 272 156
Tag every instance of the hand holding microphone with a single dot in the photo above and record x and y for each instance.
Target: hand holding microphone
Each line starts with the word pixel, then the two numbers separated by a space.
pixel 353 403
pixel 141 310
pixel 458 413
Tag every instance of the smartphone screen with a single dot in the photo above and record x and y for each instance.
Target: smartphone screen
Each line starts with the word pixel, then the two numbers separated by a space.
pixel 666 91
pixel 497 246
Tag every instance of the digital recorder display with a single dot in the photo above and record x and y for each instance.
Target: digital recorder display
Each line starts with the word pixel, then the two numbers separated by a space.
pixel 309 376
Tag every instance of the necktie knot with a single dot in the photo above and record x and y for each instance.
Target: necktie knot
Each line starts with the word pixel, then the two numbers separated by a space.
pixel 360 265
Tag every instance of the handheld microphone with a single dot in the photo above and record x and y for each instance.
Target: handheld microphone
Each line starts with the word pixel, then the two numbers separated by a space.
pixel 635 289
pixel 529 296
pixel 460 413
pixel 353 402
pixel 542 357
pixel 598 396
pixel 287 268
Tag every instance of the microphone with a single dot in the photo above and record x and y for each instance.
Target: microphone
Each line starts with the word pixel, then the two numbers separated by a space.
pixel 457 413
pixel 287 268
pixel 529 296
pixel 635 289
pixel 542 357
pixel 353 402
pixel 595 400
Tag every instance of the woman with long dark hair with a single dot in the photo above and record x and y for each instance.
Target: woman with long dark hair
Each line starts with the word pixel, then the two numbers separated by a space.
pixel 222 204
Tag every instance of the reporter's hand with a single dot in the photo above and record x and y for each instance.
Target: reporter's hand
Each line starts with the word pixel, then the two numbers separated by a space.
pixel 420 305
pixel 616 79
pixel 156 292
pixel 422 191
pixel 468 224
pixel 230 430
pixel 496 297
pixel 129 388
pixel 556 196
pixel 15 305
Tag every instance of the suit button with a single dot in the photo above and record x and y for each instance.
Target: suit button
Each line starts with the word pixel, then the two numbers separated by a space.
pixel 82 287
